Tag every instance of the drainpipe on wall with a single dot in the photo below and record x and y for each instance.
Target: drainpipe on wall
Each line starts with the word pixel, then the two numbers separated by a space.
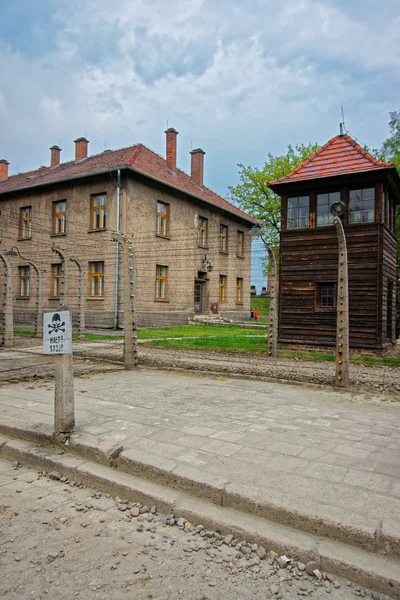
pixel 117 226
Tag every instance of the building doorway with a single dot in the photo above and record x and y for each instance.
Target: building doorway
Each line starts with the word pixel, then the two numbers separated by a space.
pixel 199 292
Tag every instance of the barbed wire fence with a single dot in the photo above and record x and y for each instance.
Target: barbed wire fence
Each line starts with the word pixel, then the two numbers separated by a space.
pixel 166 341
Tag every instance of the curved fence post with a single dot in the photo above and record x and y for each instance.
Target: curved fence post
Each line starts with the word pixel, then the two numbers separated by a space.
pixel 8 318
pixel 65 271
pixel 130 300
pixel 39 287
pixel 273 312
pixel 81 296
pixel 342 308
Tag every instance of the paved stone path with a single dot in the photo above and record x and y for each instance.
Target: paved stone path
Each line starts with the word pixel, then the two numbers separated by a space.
pixel 294 445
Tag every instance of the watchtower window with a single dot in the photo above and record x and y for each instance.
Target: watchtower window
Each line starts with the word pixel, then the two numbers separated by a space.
pixel 324 202
pixel 362 206
pixel 326 296
pixel 298 212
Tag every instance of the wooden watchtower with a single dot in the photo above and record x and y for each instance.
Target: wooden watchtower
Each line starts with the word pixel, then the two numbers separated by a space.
pixel 340 170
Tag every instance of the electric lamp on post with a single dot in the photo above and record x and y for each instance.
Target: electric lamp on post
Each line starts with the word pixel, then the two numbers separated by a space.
pixel 338 209
pixel 207 265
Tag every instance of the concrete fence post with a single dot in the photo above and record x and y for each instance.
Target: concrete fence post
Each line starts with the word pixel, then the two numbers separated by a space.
pixel 39 287
pixel 81 296
pixel 342 308
pixel 8 317
pixel 57 341
pixel 65 271
pixel 130 300
pixel 273 312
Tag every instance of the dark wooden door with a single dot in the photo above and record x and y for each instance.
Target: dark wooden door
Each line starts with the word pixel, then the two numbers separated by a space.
pixel 198 296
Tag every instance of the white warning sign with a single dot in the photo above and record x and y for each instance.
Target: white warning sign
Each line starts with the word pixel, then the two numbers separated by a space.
pixel 57 332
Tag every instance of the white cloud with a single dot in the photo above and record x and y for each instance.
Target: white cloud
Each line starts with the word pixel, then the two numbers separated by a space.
pixel 239 79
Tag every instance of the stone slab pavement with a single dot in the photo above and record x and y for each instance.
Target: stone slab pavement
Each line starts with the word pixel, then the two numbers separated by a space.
pixel 336 452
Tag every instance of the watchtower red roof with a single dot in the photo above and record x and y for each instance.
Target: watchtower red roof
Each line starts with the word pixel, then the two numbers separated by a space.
pixel 340 156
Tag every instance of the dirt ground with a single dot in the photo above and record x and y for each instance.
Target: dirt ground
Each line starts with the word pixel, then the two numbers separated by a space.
pixel 368 378
pixel 61 541
pixel 373 378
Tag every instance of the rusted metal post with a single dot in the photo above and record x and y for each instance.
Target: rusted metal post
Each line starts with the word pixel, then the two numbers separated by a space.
pixel 342 309
pixel 65 271
pixel 8 319
pixel 81 296
pixel 273 312
pixel 130 300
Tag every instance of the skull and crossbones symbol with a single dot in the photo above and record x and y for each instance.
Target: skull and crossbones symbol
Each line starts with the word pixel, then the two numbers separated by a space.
pixel 56 324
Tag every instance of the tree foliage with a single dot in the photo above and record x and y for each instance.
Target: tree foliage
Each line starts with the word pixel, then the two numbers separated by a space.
pixel 253 195
pixel 391 152
pixel 391 146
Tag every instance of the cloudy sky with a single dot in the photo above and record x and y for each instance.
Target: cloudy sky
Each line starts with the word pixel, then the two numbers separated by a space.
pixel 240 78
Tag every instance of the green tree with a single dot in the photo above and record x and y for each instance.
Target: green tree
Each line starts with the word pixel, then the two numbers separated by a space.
pixel 391 146
pixel 253 195
pixel 391 152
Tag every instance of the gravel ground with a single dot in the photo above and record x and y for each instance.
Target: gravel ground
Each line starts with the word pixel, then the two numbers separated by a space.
pixel 362 377
pixel 59 540
pixel 369 378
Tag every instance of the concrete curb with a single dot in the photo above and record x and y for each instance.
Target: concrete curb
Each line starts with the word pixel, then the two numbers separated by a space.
pixel 367 533
pixel 365 568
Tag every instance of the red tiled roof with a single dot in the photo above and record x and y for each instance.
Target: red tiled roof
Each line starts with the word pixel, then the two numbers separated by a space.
pixel 138 157
pixel 340 156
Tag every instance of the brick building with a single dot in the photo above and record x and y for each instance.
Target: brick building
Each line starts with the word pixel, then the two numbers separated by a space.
pixel 191 245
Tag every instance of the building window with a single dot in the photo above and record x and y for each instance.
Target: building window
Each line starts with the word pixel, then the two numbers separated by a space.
pixel 298 212
pixel 56 277
pixel 222 288
pixel 25 222
pixel 59 217
pixel 162 219
pixel 96 279
pixel 202 232
pixel 362 206
pixel 324 202
pixel 240 244
pixel 239 290
pixel 98 210
pixel 161 282
pixel 24 282
pixel 223 238
pixel 326 296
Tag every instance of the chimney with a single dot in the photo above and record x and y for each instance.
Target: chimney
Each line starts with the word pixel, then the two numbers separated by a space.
pixel 171 148
pixel 3 169
pixel 197 166
pixel 81 148
pixel 55 156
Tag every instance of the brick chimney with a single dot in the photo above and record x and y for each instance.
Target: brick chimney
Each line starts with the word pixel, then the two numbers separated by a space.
pixel 3 168
pixel 197 166
pixel 55 156
pixel 171 148
pixel 81 148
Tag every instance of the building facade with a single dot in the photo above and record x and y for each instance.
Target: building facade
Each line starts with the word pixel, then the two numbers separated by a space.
pixel 192 246
pixel 370 189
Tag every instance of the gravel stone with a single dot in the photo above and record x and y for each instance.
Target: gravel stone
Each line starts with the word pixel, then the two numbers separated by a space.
pixel 311 566
pixel 228 539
